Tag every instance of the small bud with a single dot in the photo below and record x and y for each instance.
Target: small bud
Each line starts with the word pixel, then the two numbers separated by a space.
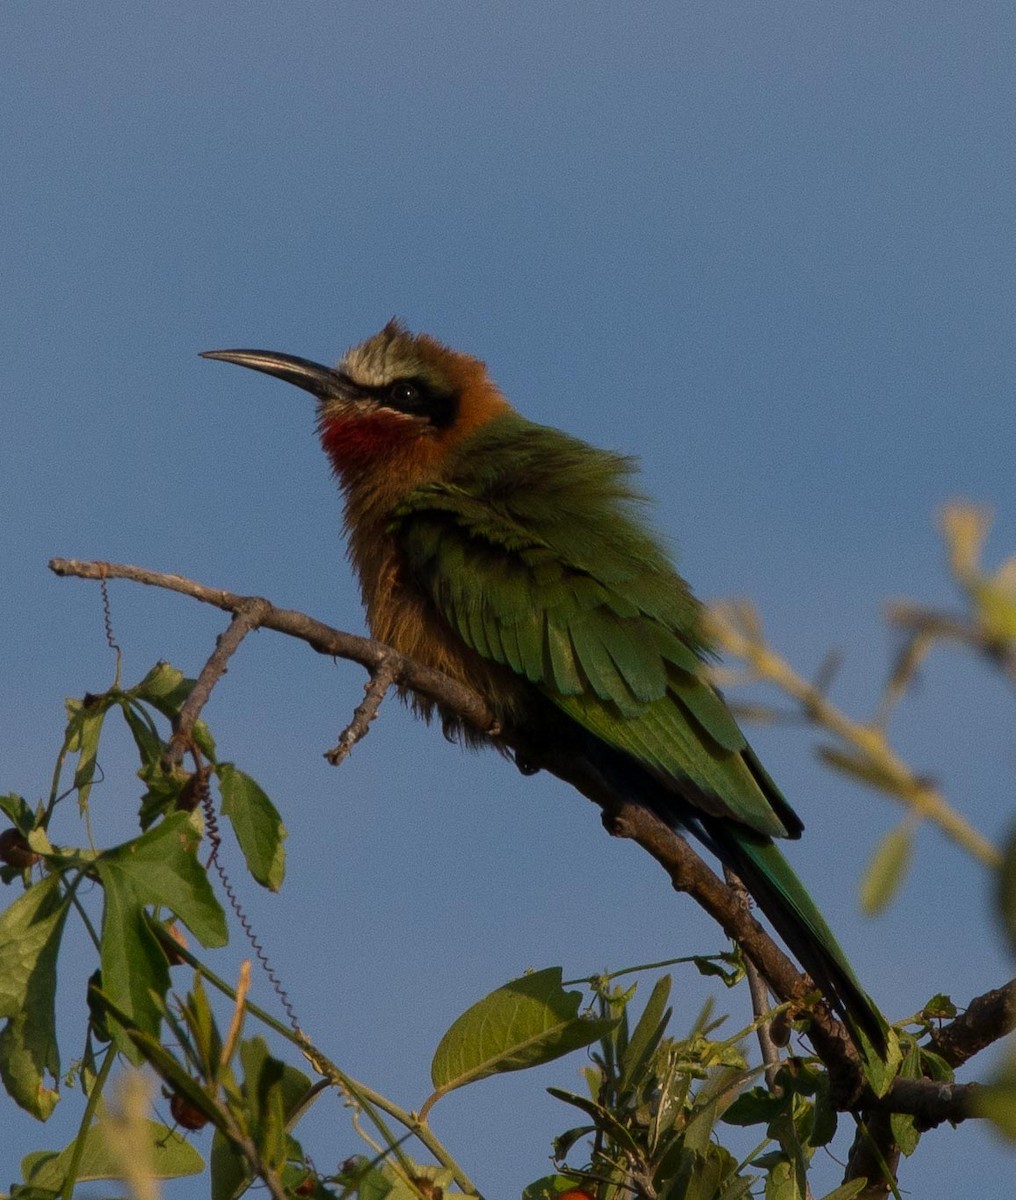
pixel 15 850
pixel 780 1029
pixel 186 1114
pixel 169 934
pixel 193 792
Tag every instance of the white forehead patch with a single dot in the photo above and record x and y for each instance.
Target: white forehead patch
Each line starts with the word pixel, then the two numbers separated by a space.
pixel 388 355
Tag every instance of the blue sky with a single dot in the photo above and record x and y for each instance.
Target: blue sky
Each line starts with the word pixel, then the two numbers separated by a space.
pixel 766 247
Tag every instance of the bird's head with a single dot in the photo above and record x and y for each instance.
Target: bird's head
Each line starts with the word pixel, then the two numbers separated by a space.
pixel 394 408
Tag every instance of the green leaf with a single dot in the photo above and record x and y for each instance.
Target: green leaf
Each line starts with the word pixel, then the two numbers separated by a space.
pixel 675 1168
pixel 715 1095
pixel 737 1187
pixel 135 973
pixel 731 974
pixel 161 867
pixel 164 793
pixel 171 1156
pixel 18 810
pixel 231 1173
pixel 84 729
pixel 847 1191
pixel 361 1178
pixel 825 1117
pixel 150 745
pixel 887 869
pixel 295 1085
pixel 271 1114
pixel 256 823
pixel 1007 892
pixel 30 932
pixel 647 1033
pixel 709 1171
pixel 939 1008
pixel 437 1181
pixel 165 689
pixel 549 1187
pixel 603 1118
pixel 783 1182
pixel 935 1067
pixel 529 1021
pixel 879 1068
pixel 758 1106
pixel 905 1132
pixel 202 1032
pixel 158 868
pixel 563 1142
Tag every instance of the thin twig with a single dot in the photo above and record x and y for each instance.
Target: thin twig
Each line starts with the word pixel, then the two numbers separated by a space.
pixel 689 873
pixel 375 690
pixel 733 633
pixel 246 617
pixel 320 637
pixel 930 624
pixel 986 1019
pixel 759 995
pixel 874 1156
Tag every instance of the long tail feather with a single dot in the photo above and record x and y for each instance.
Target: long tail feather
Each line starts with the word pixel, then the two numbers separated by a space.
pixel 783 899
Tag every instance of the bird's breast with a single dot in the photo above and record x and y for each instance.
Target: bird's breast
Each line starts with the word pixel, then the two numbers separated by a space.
pixel 403 616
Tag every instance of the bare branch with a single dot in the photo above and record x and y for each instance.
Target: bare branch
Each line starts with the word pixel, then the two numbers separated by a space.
pixel 874 1156
pixel 689 873
pixel 930 625
pixel 245 618
pixel 320 637
pixel 986 1019
pixel 759 994
pixel 375 691
pixel 875 760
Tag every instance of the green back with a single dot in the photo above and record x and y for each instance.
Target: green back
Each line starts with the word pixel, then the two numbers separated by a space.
pixel 536 552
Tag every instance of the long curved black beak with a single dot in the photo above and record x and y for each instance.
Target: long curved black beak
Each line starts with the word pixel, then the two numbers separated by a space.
pixel 320 381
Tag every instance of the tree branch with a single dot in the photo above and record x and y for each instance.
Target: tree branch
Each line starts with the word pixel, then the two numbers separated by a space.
pixel 246 616
pixel 736 630
pixel 986 1019
pixel 405 672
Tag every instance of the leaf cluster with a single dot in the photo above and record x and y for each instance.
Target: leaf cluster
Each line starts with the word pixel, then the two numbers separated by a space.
pixel 146 884
pixel 656 1104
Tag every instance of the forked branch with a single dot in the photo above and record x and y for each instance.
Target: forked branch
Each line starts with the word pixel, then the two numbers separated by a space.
pixel 987 1019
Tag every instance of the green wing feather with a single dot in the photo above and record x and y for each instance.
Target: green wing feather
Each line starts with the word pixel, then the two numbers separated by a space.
pixel 535 552
pixel 556 578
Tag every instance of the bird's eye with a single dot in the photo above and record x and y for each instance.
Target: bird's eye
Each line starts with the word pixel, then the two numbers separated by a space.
pixel 404 395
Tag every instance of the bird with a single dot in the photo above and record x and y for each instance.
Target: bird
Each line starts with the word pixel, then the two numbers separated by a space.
pixel 519 561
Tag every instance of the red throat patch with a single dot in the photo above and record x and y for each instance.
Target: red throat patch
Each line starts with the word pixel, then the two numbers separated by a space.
pixel 357 442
